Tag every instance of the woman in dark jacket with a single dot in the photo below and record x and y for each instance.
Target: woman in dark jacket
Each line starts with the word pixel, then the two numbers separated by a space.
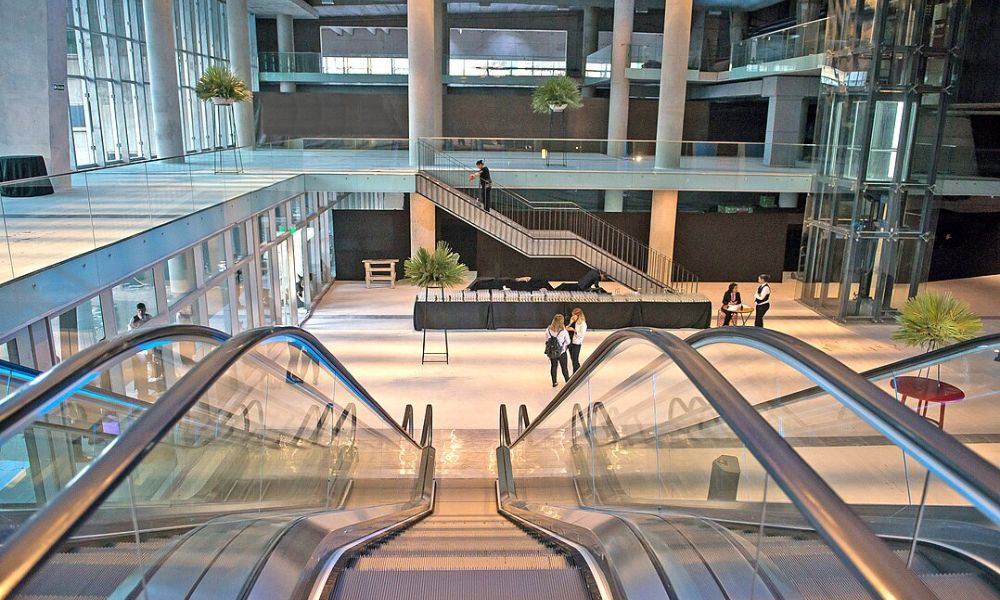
pixel 731 298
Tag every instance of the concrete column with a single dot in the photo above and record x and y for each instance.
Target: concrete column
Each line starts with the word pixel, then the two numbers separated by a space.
pixel 423 228
pixel 737 30
pixel 424 87
pixel 238 22
pixel 161 49
pixel 588 44
pixel 808 10
pixel 786 117
pixel 697 41
pixel 621 39
pixel 673 83
pixel 441 50
pixel 34 102
pixel 286 44
pixel 614 200
pixel 663 222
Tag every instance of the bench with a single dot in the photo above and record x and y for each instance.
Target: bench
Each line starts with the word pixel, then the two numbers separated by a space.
pixel 380 269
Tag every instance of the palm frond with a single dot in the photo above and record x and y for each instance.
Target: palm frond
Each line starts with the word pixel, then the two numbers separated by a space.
pixel 221 82
pixel 437 268
pixel 931 320
pixel 558 90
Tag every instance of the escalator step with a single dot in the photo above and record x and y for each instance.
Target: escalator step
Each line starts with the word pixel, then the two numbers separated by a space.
pixel 460 563
pixel 961 587
pixel 390 553
pixel 512 544
pixel 565 584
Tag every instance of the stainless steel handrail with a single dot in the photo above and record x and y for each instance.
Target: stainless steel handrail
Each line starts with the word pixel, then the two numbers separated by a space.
pixel 23 405
pixel 956 465
pixel 38 537
pixel 848 536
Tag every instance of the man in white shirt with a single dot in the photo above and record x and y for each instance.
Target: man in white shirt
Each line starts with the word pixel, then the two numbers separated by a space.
pixel 762 298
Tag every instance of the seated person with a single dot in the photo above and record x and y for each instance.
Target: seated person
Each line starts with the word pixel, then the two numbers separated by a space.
pixel 590 282
pixel 731 299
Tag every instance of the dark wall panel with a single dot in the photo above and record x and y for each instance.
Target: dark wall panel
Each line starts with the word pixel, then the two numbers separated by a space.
pixel 344 114
pixel 363 234
pixel 966 245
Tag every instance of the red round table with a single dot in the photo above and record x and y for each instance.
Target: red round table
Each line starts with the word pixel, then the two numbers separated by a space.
pixel 926 390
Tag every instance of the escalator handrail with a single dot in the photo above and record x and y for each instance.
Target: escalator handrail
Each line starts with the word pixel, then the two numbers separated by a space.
pixel 847 535
pixel 23 405
pixel 39 536
pixel 955 464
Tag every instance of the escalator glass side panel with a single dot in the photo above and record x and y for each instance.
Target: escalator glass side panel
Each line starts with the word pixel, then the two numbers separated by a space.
pixel 621 442
pixel 202 509
pixel 884 484
pixel 39 458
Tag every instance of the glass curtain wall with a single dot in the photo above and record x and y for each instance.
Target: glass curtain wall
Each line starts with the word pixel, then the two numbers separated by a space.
pixel 892 69
pixel 252 274
pixel 110 100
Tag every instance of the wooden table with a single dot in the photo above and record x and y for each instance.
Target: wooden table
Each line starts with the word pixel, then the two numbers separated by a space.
pixel 926 390
pixel 380 270
pixel 740 315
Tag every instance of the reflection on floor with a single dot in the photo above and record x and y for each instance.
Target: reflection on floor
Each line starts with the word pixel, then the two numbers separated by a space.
pixel 371 331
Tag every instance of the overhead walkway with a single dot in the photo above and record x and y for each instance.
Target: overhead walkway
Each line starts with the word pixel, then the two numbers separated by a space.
pixel 262 469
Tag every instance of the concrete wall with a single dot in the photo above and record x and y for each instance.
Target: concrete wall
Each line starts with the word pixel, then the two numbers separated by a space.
pixel 345 114
pixel 34 116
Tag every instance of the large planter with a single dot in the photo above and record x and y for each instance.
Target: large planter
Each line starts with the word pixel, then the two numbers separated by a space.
pixel 218 101
pixel 556 108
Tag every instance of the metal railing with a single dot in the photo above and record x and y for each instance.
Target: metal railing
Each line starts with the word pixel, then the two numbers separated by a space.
pixel 651 270
pixel 791 42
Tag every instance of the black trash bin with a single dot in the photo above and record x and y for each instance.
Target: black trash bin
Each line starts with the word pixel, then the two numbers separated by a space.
pixel 725 479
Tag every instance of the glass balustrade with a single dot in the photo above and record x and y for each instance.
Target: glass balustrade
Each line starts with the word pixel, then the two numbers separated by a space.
pixel 279 435
pixel 797 41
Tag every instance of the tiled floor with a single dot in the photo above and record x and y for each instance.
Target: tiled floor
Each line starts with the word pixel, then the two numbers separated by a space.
pixel 371 331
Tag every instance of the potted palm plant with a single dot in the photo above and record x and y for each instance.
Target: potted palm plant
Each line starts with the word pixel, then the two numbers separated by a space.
pixel 556 95
pixel 221 85
pixel 931 320
pixel 437 268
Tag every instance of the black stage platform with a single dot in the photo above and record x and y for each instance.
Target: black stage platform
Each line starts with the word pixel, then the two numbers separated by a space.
pixel 522 310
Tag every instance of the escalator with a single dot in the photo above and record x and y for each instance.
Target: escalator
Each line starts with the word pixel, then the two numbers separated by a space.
pixel 262 469
pixel 464 546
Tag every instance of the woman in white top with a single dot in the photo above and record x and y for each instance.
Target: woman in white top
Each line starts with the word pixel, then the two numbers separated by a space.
pixel 556 348
pixel 578 331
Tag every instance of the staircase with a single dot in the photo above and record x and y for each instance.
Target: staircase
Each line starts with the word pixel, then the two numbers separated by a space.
pixel 464 551
pixel 552 230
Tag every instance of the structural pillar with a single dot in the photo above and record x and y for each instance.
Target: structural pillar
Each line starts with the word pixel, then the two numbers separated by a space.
pixel 423 49
pixel 238 23
pixel 786 118
pixel 663 222
pixel 621 39
pixel 808 10
pixel 737 32
pixel 286 48
pixel 161 48
pixel 423 227
pixel 588 45
pixel 697 41
pixel 441 51
pixel 614 200
pixel 673 83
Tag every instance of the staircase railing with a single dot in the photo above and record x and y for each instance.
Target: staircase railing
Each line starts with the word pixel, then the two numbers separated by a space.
pixel 564 216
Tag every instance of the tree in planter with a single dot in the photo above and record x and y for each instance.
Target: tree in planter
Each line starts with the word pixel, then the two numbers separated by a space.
pixel 435 268
pixel 222 86
pixel 931 320
pixel 556 95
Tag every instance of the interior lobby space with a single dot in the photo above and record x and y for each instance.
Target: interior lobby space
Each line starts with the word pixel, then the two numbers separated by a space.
pixel 519 300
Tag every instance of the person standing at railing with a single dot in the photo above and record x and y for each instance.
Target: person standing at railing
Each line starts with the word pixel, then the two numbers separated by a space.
pixel 485 183
pixel 556 344
pixel 577 329
pixel 762 299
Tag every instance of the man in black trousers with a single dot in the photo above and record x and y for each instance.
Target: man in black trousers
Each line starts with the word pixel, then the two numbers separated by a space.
pixel 485 183
pixel 762 299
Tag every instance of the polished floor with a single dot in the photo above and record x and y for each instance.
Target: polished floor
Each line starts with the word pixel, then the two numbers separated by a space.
pixel 371 331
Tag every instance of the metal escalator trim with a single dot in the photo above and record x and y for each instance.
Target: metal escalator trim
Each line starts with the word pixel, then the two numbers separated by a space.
pixel 317 590
pixel 27 547
pixel 24 405
pixel 600 580
pixel 956 465
pixel 848 536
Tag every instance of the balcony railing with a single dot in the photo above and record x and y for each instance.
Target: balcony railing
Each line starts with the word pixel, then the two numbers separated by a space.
pixel 791 42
